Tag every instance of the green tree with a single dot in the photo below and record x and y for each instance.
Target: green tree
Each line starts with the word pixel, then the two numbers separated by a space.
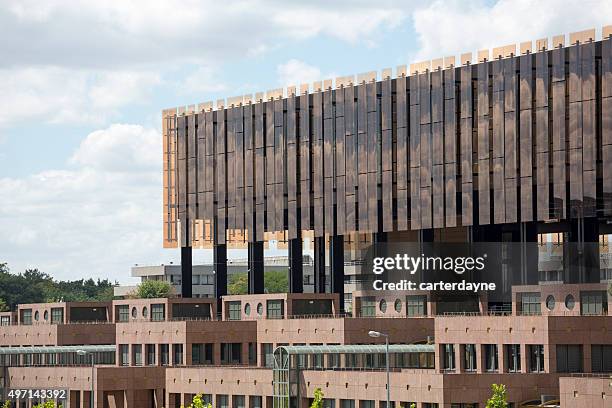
pixel 274 282
pixel 47 404
pixel 317 402
pixel 238 284
pixel 3 306
pixel 150 289
pixel 199 403
pixel 499 398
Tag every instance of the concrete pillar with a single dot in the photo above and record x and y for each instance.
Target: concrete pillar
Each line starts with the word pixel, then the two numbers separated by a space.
pixel 459 358
pixel 550 358
pixel 502 360
pixel 524 358
pixel 186 271
pixel 216 353
pixel 586 358
pixel 480 358
pixel 256 267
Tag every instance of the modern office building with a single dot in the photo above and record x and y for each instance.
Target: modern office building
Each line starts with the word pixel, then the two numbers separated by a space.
pixel 510 146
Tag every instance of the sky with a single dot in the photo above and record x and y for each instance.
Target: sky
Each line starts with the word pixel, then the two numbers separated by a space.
pixel 83 84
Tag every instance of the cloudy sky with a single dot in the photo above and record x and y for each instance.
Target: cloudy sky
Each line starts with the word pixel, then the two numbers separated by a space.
pixel 83 84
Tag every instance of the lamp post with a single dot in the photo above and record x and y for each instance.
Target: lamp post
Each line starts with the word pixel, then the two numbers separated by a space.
pixel 376 334
pixel 91 397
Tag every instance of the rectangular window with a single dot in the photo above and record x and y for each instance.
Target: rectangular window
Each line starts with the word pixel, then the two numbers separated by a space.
pixel 255 401
pixel 177 354
pixel 416 305
pixel 275 309
pixel 233 310
pixel 222 401
pixel 469 357
pixel 530 304
pixel 368 306
pixel 347 403
pixel 366 404
pixel 513 357
pixel 195 279
pixel 238 401
pixel 594 303
pixel 601 358
pixel 448 351
pixel 124 355
pixel 158 313
pixel 5 320
pixel 536 358
pixel 150 354
pixel 430 405
pixel 231 353
pixel 123 313
pixel 252 353
pixel 57 315
pixel 268 355
pixel 201 353
pixel 137 354
pixel 491 357
pixel 164 354
pixel 569 358
pixel 26 316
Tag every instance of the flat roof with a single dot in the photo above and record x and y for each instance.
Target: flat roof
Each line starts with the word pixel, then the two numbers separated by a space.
pixel 359 348
pixel 57 349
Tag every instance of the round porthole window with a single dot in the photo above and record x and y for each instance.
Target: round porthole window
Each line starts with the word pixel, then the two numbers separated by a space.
pixel 398 305
pixel 550 302
pixel 134 312
pixel 259 309
pixel 46 315
pixel 383 305
pixel 36 315
pixel 247 309
pixel 145 312
pixel 570 302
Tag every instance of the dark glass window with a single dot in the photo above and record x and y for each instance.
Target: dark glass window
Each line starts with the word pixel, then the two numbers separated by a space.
pixel 569 358
pixel 513 357
pixel 268 355
pixel 601 358
pixel 593 303
pixel 124 353
pixel 448 357
pixel 158 313
pixel 231 353
pixel 536 358
pixel 470 357
pixel 164 354
pixel 491 357
pixel 275 309
pixel 416 305
pixel 368 306
pixel 530 304
pixel 177 353
pixel 234 310
pixel 57 315
pixel 201 353
pixel 123 313
pixel 26 316
pixel 137 354
pixel 150 354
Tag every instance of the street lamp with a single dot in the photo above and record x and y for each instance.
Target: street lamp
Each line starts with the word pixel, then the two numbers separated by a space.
pixel 91 397
pixel 376 334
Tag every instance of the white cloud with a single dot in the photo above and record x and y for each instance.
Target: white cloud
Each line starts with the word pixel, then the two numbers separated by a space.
pixel 65 95
pixel 204 79
pixel 455 27
pixel 95 219
pixel 296 72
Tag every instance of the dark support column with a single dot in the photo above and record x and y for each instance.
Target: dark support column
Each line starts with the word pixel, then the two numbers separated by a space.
pixel 581 252
pixel 220 265
pixel 296 269
pixel 591 250
pixel 256 267
pixel 186 270
pixel 336 255
pixel 319 265
pixel 529 253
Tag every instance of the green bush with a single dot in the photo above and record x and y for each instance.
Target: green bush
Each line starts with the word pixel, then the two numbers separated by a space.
pixel 152 289
pixel 317 402
pixel 498 399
